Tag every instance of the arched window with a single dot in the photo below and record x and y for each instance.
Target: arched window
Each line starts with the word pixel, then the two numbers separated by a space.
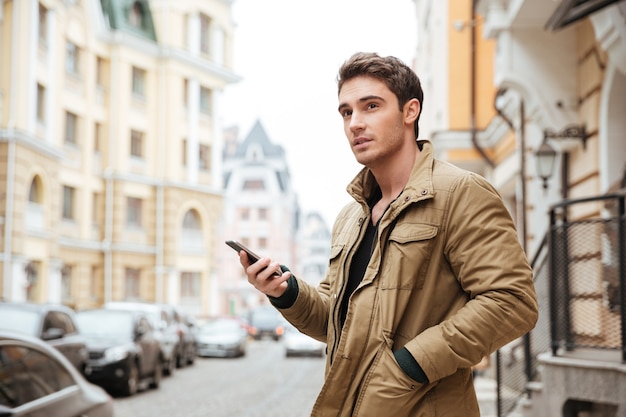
pixel 34 194
pixel 35 208
pixel 192 232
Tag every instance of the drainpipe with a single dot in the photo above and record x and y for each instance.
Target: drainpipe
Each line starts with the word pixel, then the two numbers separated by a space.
pixel 8 217
pixel 474 136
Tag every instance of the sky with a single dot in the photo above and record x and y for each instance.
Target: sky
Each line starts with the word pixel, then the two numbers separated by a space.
pixel 288 53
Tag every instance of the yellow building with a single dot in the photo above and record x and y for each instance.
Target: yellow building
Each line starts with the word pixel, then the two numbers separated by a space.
pixel 110 149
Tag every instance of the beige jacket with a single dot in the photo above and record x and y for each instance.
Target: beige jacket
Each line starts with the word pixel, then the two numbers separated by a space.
pixel 447 279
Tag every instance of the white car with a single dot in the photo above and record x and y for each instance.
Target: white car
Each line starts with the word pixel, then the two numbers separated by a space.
pixel 299 344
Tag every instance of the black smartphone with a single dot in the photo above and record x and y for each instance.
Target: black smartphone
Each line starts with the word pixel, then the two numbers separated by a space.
pixel 252 257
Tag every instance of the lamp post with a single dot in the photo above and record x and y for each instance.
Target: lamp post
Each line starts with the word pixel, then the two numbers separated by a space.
pixel 545 157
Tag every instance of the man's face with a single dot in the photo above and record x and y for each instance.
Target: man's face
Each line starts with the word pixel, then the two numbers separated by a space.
pixel 372 121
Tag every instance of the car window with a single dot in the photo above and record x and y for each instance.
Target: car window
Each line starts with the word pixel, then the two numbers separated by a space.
pixel 27 374
pixel 66 321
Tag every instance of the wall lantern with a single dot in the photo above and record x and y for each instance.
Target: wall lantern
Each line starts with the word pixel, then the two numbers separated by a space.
pixel 546 155
pixel 565 140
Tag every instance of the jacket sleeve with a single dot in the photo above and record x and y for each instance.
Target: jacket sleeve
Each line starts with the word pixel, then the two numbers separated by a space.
pixel 484 253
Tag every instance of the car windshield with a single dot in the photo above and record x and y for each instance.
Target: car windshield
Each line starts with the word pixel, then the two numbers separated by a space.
pixel 105 324
pixel 219 327
pixel 18 320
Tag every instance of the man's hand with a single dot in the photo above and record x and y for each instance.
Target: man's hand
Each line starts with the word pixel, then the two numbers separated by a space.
pixel 263 275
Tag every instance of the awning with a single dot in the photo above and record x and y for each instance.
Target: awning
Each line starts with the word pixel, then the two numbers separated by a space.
pixel 570 11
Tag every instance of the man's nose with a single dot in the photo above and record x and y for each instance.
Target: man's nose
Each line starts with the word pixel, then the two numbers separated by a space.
pixel 356 121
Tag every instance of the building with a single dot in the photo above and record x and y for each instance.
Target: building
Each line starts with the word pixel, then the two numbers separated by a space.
pixel 548 131
pixel 261 211
pixel 110 149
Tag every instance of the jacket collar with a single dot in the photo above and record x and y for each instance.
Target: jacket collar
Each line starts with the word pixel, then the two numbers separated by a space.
pixel 418 187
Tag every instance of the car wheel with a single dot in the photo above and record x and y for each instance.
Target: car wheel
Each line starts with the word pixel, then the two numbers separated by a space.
pixel 169 367
pixel 133 380
pixel 156 375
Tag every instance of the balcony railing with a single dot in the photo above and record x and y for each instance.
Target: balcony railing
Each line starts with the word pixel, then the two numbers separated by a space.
pixel 580 279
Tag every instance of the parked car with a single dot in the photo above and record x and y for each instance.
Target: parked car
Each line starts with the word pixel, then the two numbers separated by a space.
pixel 299 344
pixel 265 321
pixel 167 330
pixel 222 337
pixel 124 350
pixel 186 337
pixel 53 323
pixel 37 380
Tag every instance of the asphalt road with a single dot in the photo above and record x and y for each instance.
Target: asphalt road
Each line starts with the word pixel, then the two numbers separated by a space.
pixel 264 383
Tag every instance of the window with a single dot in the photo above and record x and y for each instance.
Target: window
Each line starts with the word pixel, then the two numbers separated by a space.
pixel 254 185
pixel 132 281
pixel 190 284
pixel 184 154
pixel 71 128
pixel 205 34
pixel 139 81
pixel 136 143
pixel 136 15
pixel 262 243
pixel 133 213
pixel 204 157
pixel 34 193
pixel 41 103
pixel 244 213
pixel 29 375
pixel 205 100
pixel 68 202
pixel 43 26
pixel 101 72
pixel 95 208
pixel 72 53
pixel 262 213
pixel 191 236
pixel 191 221
pixel 97 137
pixel 66 282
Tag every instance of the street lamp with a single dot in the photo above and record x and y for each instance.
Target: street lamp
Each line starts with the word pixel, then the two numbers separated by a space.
pixel 545 157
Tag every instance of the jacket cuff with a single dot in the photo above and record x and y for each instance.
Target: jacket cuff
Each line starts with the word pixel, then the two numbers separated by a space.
pixel 409 365
pixel 289 297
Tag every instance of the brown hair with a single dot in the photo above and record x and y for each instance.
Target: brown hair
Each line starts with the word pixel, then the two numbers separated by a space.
pixel 397 76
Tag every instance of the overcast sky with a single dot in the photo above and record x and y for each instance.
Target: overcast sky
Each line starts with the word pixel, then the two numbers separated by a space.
pixel 288 53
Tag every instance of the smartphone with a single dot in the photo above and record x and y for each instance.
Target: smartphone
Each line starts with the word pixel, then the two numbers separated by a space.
pixel 252 257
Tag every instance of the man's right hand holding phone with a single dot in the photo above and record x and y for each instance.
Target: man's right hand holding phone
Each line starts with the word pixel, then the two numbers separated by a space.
pixel 265 275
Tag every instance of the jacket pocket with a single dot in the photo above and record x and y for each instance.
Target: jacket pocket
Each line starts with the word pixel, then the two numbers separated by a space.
pixel 410 247
pixel 388 391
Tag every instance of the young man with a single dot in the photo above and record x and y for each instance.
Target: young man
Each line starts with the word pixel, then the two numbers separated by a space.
pixel 426 274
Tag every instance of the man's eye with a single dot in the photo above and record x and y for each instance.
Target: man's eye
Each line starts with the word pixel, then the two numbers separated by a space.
pixel 345 113
pixel 372 106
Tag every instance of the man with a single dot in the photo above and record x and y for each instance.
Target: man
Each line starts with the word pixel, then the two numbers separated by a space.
pixel 426 274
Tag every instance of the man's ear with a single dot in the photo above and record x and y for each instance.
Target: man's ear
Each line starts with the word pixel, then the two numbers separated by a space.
pixel 411 111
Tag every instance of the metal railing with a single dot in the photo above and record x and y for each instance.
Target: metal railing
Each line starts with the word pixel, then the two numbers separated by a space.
pixel 580 279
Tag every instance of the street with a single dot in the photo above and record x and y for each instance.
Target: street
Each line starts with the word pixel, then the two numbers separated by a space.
pixel 261 384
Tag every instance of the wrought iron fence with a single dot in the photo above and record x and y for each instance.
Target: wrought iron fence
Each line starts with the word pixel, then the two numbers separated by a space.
pixel 580 279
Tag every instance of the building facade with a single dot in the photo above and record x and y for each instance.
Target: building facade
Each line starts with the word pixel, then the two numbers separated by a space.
pixel 110 149
pixel 545 84
pixel 261 210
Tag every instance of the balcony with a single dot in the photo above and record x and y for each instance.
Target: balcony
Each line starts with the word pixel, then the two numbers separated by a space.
pixel 574 360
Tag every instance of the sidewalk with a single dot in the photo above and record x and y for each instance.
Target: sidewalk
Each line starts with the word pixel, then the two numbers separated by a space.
pixel 487 394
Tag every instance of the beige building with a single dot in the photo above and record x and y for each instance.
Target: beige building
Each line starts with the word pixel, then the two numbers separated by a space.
pixel 110 149
pixel 544 86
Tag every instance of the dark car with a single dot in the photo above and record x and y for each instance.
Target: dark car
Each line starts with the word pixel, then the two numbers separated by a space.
pixel 54 323
pixel 123 349
pixel 37 380
pixel 265 321
pixel 165 327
